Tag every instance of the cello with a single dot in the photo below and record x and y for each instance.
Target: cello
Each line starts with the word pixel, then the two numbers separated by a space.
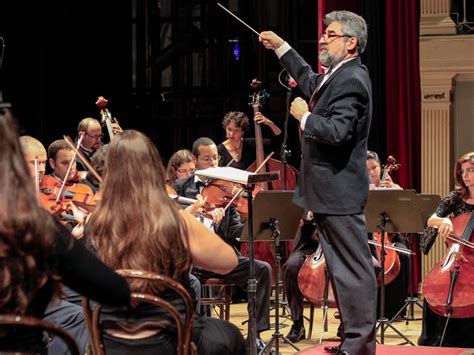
pixel 392 259
pixel 448 287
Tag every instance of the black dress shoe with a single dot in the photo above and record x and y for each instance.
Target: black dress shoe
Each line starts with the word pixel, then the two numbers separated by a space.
pixel 296 334
pixel 332 349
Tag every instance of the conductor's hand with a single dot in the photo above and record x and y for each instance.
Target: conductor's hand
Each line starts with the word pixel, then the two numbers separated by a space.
pixel 298 108
pixel 270 40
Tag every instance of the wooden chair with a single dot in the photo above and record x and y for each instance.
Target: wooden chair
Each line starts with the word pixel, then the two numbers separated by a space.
pixel 184 329
pixel 221 299
pixel 16 320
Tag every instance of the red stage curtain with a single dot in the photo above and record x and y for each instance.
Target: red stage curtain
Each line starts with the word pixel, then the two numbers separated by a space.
pixel 403 97
pixel 403 106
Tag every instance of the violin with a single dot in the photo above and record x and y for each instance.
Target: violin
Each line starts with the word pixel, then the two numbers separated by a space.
pixel 55 200
pixel 222 193
pixel 448 287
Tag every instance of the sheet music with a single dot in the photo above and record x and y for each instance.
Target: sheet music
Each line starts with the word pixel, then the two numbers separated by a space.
pixel 226 173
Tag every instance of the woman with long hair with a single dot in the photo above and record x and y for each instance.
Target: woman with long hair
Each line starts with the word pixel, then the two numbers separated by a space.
pixel 180 166
pixel 137 226
pixel 457 202
pixel 36 252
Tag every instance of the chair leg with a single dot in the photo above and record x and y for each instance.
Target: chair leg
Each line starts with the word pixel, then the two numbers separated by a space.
pixel 228 299
pixel 311 319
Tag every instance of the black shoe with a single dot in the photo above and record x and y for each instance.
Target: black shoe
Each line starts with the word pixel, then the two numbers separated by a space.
pixel 332 349
pixel 296 333
pixel 260 345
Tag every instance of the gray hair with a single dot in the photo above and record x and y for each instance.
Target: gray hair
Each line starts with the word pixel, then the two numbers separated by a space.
pixel 352 25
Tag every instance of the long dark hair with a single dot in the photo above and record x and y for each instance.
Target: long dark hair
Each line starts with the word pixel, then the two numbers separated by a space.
pixel 460 187
pixel 27 232
pixel 137 225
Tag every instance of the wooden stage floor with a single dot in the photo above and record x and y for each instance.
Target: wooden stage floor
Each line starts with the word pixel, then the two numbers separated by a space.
pixel 239 314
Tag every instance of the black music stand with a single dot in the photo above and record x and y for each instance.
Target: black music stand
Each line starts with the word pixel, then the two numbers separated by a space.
pixel 428 204
pixel 273 209
pixel 393 211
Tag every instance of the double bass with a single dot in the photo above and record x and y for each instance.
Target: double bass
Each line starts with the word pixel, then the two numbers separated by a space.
pixel 264 250
pixel 448 287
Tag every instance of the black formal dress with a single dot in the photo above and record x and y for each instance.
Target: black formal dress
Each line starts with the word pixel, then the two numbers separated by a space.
pixel 460 330
pixel 80 270
pixel 248 155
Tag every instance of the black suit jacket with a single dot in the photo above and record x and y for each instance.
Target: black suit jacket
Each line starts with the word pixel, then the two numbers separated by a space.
pixel 230 228
pixel 333 174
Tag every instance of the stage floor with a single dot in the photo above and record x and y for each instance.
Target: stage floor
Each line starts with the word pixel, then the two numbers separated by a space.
pixel 309 346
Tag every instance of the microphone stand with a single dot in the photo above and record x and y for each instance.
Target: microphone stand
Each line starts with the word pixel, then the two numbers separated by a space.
pixel 285 152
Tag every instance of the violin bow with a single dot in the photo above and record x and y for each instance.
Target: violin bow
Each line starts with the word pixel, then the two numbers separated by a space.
pixel 81 137
pixel 82 157
pixel 37 183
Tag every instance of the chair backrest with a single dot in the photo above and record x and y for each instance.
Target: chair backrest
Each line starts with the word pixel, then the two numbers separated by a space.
pixel 184 329
pixel 17 320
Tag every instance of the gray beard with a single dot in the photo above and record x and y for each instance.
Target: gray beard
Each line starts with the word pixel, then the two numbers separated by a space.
pixel 328 60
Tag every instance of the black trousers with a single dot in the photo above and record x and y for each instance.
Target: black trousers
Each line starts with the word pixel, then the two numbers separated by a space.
pixel 349 262
pixel 240 276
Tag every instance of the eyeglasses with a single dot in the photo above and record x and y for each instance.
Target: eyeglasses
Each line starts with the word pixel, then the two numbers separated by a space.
pixel 208 158
pixel 95 136
pixel 186 171
pixel 467 171
pixel 331 37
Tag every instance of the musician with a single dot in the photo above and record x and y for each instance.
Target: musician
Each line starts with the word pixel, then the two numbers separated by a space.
pixel 395 291
pixel 60 156
pixel 37 252
pixel 91 130
pixel 97 163
pixel 181 165
pixel 374 169
pixel 35 156
pixel 241 151
pixel 159 238
pixel 229 229
pixel 335 126
pixel 305 244
pixel 459 330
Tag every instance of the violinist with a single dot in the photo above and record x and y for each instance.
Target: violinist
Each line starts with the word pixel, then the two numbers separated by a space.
pixel 35 155
pixel 457 202
pixel 395 291
pixel 180 166
pixel 61 161
pixel 156 237
pixel 236 149
pixel 38 252
pixel 229 229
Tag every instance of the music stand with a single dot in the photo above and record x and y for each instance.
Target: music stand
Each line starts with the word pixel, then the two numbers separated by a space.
pixel 275 218
pixel 248 180
pixel 393 211
pixel 428 204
